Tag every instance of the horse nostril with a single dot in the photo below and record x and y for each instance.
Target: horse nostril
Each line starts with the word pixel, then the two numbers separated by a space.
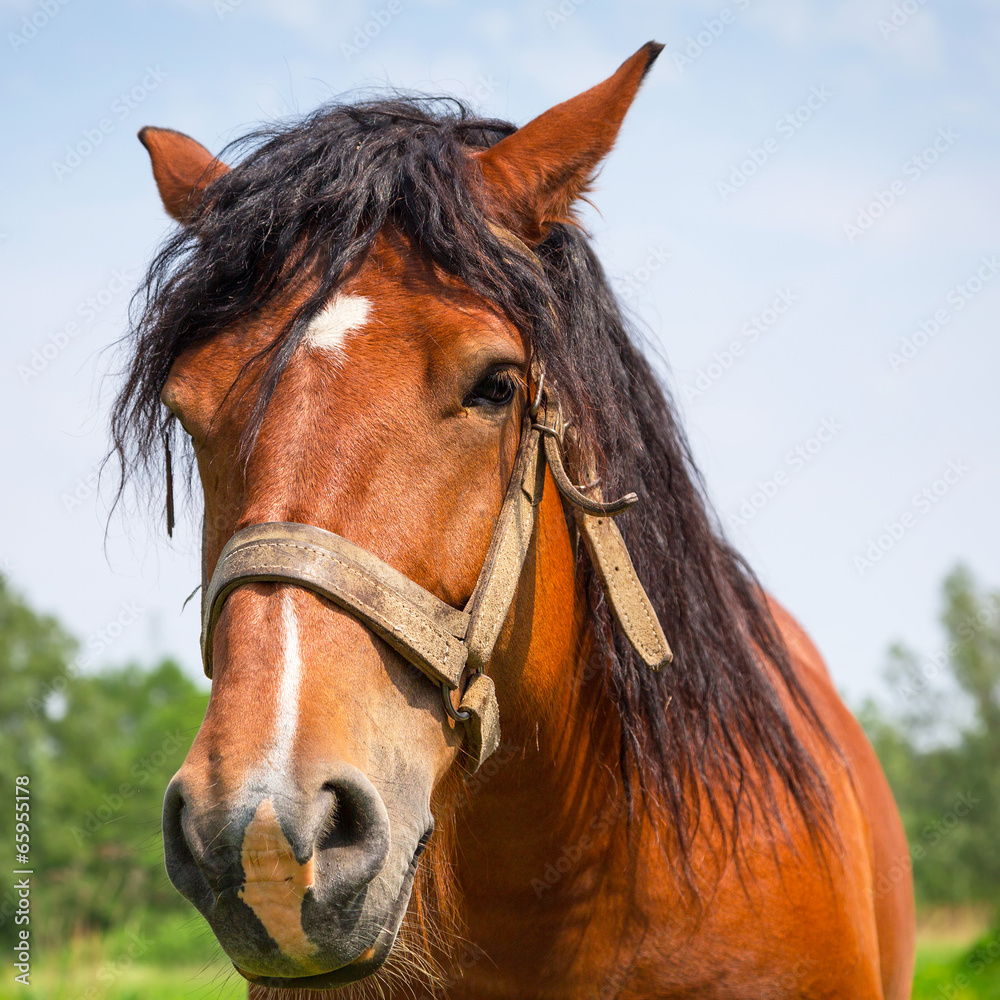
pixel 356 833
pixel 348 823
pixel 174 841
pixel 344 826
pixel 182 869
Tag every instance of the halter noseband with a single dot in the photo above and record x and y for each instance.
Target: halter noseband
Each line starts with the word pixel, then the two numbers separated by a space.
pixel 449 646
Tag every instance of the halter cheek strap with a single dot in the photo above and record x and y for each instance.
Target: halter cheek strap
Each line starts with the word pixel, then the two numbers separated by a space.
pixel 448 645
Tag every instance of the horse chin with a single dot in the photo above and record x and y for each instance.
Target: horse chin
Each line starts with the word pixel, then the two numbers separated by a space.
pixel 366 964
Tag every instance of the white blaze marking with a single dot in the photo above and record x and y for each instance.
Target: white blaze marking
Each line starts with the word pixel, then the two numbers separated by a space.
pixel 287 710
pixel 341 315
pixel 274 768
pixel 276 762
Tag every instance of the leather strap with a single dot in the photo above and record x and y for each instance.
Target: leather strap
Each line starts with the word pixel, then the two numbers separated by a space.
pixel 508 549
pixel 412 620
pixel 553 455
pixel 482 729
pixel 629 602
pixel 626 596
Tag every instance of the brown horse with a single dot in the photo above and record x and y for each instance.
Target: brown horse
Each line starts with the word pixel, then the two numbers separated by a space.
pixel 353 326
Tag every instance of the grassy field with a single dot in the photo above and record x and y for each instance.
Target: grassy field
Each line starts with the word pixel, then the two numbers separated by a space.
pixel 958 957
pixel 173 959
pixel 956 960
pixel 141 982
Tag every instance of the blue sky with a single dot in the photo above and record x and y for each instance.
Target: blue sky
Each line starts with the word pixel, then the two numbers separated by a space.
pixel 813 274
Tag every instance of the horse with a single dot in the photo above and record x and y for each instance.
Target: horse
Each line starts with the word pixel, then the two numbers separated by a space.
pixel 476 727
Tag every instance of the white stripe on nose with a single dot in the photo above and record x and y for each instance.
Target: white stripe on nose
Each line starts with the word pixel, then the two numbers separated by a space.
pixel 286 719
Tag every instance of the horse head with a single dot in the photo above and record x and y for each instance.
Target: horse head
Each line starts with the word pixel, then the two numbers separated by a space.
pixel 351 344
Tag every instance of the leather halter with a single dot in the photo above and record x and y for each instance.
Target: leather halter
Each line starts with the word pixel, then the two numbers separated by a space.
pixel 449 646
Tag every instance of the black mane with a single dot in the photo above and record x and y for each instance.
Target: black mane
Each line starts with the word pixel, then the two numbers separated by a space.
pixel 315 193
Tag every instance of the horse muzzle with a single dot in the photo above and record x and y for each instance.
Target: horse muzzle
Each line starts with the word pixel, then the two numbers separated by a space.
pixel 295 888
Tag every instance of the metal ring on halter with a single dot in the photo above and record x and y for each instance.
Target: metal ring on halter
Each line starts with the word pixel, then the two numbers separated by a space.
pixel 458 716
pixel 564 484
pixel 545 429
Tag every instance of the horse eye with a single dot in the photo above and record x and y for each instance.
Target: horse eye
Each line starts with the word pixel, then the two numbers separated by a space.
pixel 496 389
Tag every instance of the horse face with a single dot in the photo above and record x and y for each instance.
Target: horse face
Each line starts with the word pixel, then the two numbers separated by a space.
pixel 296 822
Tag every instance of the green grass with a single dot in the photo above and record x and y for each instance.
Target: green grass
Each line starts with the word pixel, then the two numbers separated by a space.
pixel 950 972
pixel 179 960
pixel 142 982
pixel 174 958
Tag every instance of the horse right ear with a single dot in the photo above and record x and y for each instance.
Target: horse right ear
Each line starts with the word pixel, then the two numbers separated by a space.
pixel 182 169
pixel 536 174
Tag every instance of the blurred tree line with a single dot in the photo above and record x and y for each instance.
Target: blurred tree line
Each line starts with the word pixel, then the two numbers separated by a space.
pixel 99 750
pixel 938 738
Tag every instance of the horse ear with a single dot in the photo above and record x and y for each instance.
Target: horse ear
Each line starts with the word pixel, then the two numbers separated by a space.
pixel 534 175
pixel 182 169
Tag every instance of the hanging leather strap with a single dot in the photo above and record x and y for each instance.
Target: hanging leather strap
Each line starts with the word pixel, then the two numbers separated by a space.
pixel 629 602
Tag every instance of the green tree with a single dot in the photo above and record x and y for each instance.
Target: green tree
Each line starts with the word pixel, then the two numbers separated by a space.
pixel 99 750
pixel 939 742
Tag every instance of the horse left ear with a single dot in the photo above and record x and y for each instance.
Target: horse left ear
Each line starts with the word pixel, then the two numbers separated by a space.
pixel 534 175
pixel 182 168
